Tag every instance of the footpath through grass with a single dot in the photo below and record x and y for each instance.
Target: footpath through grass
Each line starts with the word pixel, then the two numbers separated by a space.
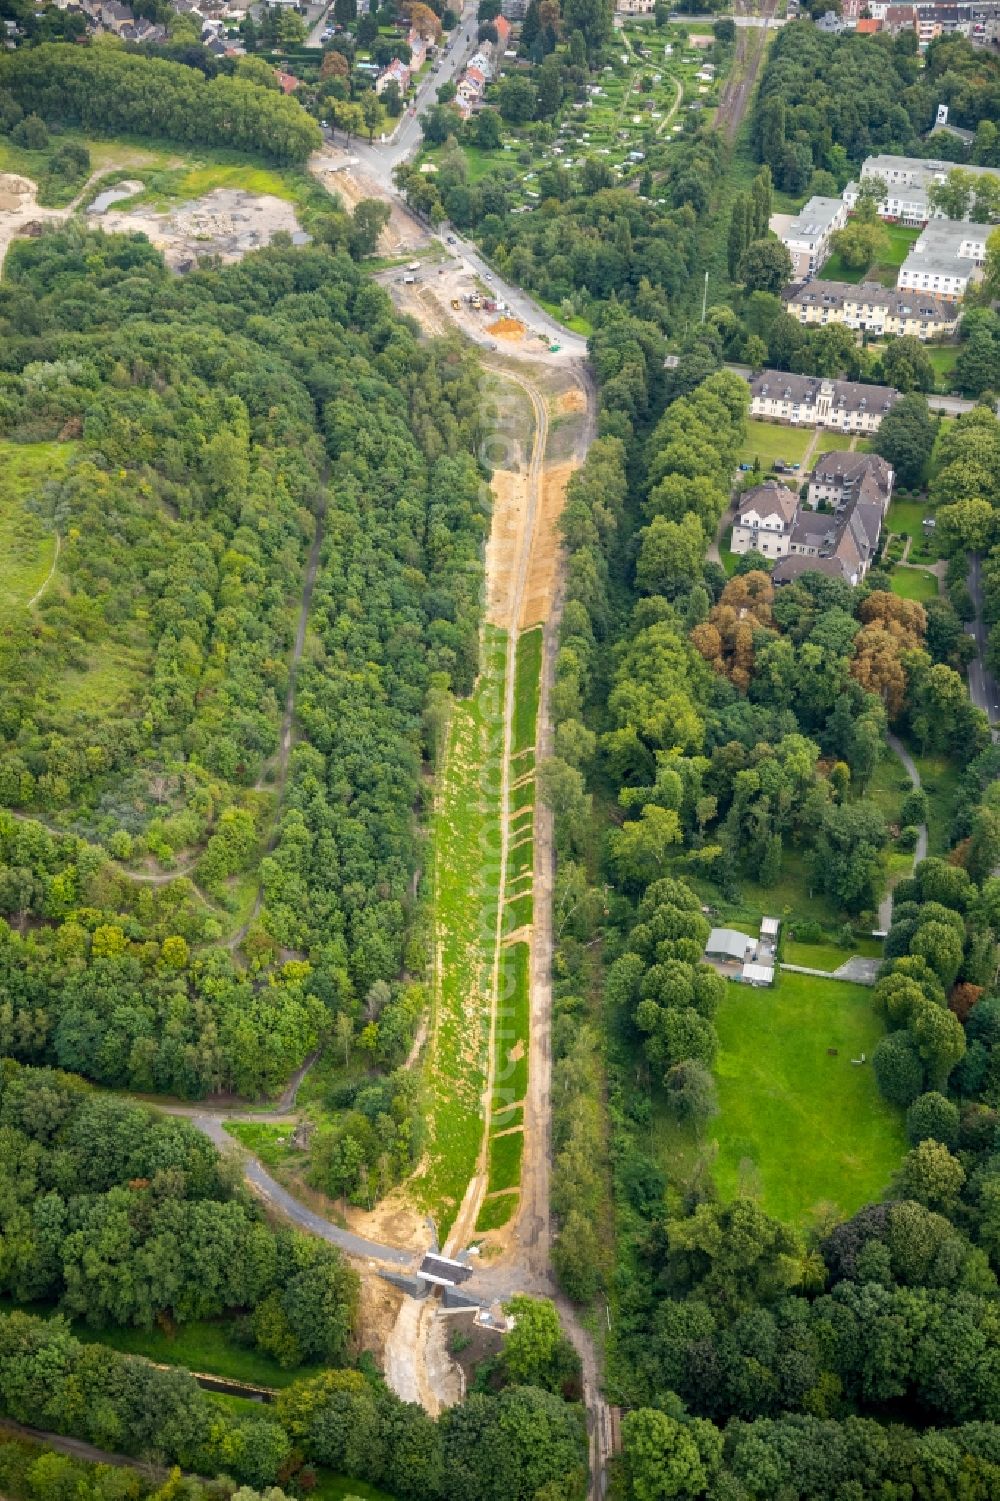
pixel 799 1124
pixel 27 544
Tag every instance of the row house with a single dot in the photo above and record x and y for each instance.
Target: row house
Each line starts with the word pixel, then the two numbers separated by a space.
pixel 871 309
pixel 806 401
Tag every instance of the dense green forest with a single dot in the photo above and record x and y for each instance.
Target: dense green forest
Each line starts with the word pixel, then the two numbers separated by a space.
pixel 105 91
pixel 739 730
pixel 212 425
pixel 827 102
pixel 116 1216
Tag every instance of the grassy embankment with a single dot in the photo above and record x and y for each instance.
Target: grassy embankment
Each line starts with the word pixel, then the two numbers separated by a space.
pixel 510 1082
pixel 465 846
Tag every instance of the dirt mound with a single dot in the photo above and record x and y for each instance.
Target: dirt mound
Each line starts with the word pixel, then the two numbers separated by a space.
pixel 508 328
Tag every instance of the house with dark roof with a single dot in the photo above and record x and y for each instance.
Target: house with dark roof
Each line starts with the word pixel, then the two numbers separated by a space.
pixel 807 401
pixel 764 520
pixel 870 308
pixel 839 478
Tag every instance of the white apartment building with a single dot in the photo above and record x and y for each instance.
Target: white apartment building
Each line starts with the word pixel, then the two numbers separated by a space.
pixel 764 520
pixel 804 400
pixel 948 256
pixel 907 179
pixel 806 236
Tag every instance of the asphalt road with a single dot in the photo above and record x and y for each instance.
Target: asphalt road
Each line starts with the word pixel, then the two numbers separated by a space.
pixel 272 1193
pixel 381 158
pixel 315 37
pixel 983 687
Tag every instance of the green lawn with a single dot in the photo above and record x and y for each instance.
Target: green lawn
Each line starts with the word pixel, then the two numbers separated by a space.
pixel 834 443
pixel 914 583
pixel 939 778
pixel 828 956
pixel 887 787
pixel 505 1161
pixel 884 270
pixel 497 1211
pixel 527 684
pixel 27 543
pixel 272 1144
pixel 792 895
pixel 205 1345
pixel 906 518
pixel 576 325
pixel 331 1487
pixel 943 358
pixel 466 891
pixel 510 1082
pixel 798 1128
pixel 768 441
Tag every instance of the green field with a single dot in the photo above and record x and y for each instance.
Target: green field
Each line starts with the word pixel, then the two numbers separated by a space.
pixel 939 778
pixel 505 1161
pixel 791 896
pixel 834 443
pixel 885 270
pixel 914 583
pixel 527 685
pixel 827 955
pixel 798 1128
pixel 510 1082
pixel 906 518
pixel 497 1211
pixel 27 544
pixel 768 441
pixel 466 895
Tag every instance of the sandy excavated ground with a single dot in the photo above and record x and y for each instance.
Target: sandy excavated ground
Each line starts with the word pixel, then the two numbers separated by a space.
pixel 227 223
pixel 340 173
pixel 19 208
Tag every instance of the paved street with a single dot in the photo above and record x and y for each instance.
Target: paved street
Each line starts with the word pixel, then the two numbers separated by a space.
pixel 983 687
pixel 380 159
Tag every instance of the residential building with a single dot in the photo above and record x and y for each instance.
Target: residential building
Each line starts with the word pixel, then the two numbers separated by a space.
pixel 807 236
pixel 942 20
pixel 832 24
pixel 985 28
pixel 868 26
pixel 949 254
pixel 806 401
pixel 839 478
pixel 634 7
pixel 764 520
pixel 513 10
pixel 854 490
pixel 908 179
pixel 396 72
pixel 899 18
pixel 287 82
pixel 503 29
pixel 871 308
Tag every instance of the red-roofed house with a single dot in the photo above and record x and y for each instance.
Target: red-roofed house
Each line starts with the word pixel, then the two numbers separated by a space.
pixel 867 27
pixel 503 32
pixel 286 82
